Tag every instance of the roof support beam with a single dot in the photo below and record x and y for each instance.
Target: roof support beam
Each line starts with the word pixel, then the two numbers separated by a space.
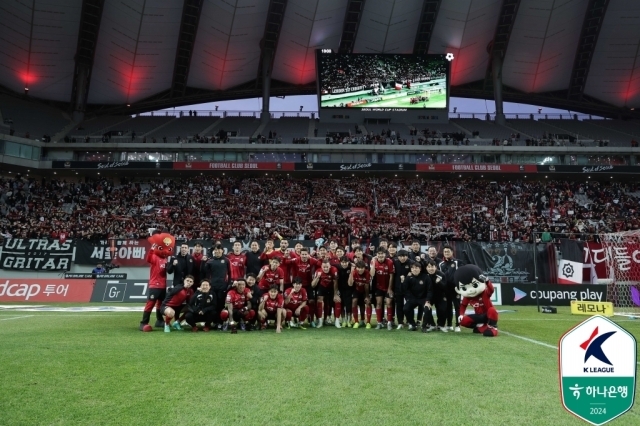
pixel 186 40
pixel 428 18
pixel 350 26
pixel 269 42
pixel 593 19
pixel 507 18
pixel 90 19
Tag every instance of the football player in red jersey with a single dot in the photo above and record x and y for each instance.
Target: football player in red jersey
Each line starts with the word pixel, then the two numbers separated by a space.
pixel 237 261
pixel 360 280
pixel 271 275
pixel 303 269
pixel 333 255
pixel 272 308
pixel 382 271
pixel 269 252
pixel 295 303
pixel 173 302
pixel 296 250
pixel 238 303
pixel 162 247
pixel 326 283
pixel 339 254
pixel 287 268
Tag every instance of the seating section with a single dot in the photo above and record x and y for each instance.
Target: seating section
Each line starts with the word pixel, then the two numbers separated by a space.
pixel 244 126
pixel 439 128
pixel 630 128
pixel 184 127
pixel 586 130
pixel 288 128
pixel 32 118
pixel 100 125
pixel 487 129
pixel 533 128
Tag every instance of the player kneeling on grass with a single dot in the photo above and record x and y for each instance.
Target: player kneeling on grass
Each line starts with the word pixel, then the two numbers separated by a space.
pixel 173 303
pixel 238 306
pixel 295 304
pixel 272 308
pixel 201 307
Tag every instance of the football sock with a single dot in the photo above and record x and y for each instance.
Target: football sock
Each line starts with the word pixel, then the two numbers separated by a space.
pixel 167 320
pixel 320 309
pixel 379 315
pixel 369 310
pixel 354 311
pixel 337 309
pixel 390 313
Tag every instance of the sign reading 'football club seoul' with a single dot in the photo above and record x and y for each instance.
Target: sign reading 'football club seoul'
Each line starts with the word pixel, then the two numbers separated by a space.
pixel 598 361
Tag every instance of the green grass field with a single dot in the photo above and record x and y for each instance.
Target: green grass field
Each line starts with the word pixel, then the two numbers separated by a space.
pixel 390 101
pixel 97 368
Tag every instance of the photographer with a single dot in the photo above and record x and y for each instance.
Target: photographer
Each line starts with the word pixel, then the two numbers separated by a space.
pixel 99 270
pixel 181 265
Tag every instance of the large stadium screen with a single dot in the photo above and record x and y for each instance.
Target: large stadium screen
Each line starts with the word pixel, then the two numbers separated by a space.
pixel 382 82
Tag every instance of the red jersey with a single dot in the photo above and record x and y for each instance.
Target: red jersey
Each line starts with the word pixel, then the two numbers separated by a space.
pixel 272 305
pixel 177 296
pixel 238 300
pixel 273 253
pixel 238 264
pixel 287 268
pixel 481 304
pixel 326 279
pixel 197 264
pixel 157 272
pixel 270 277
pixel 296 299
pixel 359 281
pixel 304 270
pixel 383 271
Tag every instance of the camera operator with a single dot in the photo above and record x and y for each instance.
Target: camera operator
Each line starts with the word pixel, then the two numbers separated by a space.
pixel 181 265
pixel 99 270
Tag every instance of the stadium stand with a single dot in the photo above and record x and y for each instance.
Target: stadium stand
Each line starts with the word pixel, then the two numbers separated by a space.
pixel 588 131
pixel 100 125
pixel 288 128
pixel 19 115
pixel 224 207
pixel 485 129
pixel 183 127
pixel 629 128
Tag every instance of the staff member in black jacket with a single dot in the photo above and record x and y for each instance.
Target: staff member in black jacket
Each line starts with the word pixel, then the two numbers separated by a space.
pixel 418 292
pixel 448 267
pixel 217 271
pixel 201 306
pixel 438 299
pixel 254 264
pixel 181 265
pixel 403 268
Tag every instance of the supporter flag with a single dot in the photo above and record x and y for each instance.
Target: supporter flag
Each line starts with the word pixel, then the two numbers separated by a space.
pixel 506 209
pixel 570 267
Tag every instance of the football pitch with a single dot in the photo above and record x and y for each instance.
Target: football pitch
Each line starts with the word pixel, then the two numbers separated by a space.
pixel 389 101
pixel 94 368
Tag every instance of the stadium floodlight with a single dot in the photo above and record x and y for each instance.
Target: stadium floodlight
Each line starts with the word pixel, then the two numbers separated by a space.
pixel 449 56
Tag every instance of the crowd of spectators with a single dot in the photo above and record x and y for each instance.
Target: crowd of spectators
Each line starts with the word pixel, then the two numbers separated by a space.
pixel 352 207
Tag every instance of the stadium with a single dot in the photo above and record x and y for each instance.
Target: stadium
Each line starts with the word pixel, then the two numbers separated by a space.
pixel 164 257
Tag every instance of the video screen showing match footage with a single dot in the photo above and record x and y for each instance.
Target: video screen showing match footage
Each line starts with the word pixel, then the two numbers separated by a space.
pixel 382 81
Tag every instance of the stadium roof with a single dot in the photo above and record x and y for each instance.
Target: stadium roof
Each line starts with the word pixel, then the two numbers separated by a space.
pixel 572 54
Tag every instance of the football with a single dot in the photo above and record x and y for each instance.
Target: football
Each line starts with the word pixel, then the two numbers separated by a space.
pixel 147 328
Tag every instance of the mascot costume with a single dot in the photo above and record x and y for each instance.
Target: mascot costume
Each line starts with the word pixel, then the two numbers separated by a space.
pixel 476 291
pixel 162 246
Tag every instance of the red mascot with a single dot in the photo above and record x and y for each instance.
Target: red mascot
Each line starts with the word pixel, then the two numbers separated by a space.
pixel 162 246
pixel 476 291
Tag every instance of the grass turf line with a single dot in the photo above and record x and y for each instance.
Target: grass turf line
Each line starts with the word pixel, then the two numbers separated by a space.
pixel 100 370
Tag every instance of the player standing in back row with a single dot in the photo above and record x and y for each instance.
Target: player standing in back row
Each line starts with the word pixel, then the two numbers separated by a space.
pixel 382 272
